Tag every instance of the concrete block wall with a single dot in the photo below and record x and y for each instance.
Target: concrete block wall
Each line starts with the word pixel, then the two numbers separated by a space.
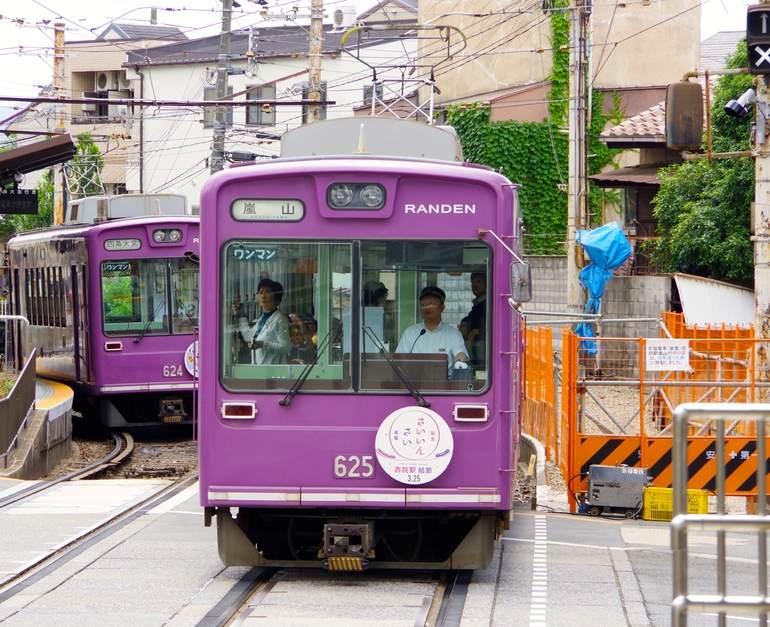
pixel 624 297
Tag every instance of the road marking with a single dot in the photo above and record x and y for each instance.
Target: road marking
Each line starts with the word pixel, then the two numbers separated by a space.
pixel 539 597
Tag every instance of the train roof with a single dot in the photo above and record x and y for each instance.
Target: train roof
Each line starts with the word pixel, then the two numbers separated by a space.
pixel 98 208
pixel 76 230
pixel 373 136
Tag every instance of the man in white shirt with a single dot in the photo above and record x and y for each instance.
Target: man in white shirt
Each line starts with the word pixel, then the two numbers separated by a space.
pixel 433 335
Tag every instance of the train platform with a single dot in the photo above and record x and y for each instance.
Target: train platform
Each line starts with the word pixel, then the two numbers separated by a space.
pixel 46 436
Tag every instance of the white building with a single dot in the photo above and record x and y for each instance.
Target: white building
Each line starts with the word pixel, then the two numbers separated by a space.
pixel 172 145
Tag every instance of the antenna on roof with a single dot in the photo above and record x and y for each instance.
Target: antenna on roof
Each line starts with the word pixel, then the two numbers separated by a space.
pixel 361 144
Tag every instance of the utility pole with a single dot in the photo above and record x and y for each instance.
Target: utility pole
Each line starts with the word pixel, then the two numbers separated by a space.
pixel 761 236
pixel 577 191
pixel 757 46
pixel 316 50
pixel 58 92
pixel 220 115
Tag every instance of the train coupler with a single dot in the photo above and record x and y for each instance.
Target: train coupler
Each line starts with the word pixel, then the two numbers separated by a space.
pixel 347 546
pixel 345 563
pixel 172 410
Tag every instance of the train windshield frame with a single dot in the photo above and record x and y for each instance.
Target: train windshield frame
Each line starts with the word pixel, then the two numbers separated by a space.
pixel 346 307
pixel 149 296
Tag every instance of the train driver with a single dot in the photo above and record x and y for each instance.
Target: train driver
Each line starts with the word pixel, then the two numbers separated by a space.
pixel 433 335
pixel 269 338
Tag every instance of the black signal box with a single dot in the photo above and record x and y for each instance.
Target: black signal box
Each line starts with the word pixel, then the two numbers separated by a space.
pixel 758 38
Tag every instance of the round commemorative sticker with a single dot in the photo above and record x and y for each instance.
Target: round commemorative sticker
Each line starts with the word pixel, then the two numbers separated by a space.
pixel 414 445
pixel 191 359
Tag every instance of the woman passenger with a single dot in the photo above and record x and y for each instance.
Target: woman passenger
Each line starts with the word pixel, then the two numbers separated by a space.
pixel 269 339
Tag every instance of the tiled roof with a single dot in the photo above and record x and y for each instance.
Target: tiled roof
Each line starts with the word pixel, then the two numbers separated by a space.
pixel 648 127
pixel 715 49
pixel 271 42
pixel 632 176
pixel 143 32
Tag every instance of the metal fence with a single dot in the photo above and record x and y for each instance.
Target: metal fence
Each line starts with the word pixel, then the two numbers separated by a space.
pixel 724 598
pixel 15 408
pixel 618 397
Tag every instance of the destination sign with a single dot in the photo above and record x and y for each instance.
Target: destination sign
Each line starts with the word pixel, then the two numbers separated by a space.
pixel 268 210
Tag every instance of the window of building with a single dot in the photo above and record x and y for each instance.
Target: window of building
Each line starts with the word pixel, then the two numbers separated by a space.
pixel 209 113
pixel 369 90
pixel 261 115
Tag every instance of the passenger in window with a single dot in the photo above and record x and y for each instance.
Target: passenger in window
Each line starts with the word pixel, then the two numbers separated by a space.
pixel 433 335
pixel 240 349
pixel 375 294
pixel 477 320
pixel 269 338
pixel 304 338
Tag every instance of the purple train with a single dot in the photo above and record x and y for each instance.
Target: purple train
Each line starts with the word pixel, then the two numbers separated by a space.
pixel 345 420
pixel 112 306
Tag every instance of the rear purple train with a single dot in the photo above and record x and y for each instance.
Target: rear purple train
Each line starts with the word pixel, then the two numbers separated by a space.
pixel 355 447
pixel 113 312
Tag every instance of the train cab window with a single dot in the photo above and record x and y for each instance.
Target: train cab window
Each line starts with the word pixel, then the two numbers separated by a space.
pixel 149 296
pixel 424 304
pixel 283 311
pixel 343 316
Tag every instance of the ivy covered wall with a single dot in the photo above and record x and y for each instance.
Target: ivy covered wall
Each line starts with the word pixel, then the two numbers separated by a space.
pixel 535 154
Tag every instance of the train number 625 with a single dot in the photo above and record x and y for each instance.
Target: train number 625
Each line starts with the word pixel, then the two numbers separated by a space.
pixel 353 466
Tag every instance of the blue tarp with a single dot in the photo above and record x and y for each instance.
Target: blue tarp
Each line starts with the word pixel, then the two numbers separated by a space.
pixel 608 249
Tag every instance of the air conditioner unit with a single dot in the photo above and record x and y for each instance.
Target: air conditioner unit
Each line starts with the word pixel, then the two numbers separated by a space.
pixel 123 83
pixel 106 81
pixel 344 17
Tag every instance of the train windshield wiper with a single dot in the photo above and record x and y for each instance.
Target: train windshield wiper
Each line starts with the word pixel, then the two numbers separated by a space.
pixel 300 381
pixel 396 368
pixel 146 328
pixel 186 312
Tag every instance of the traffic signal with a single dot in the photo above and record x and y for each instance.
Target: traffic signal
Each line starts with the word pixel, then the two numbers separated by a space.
pixel 684 116
pixel 758 38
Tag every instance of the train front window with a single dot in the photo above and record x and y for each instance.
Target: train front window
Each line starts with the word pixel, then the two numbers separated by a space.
pixel 149 296
pixel 282 311
pixel 351 316
pixel 424 304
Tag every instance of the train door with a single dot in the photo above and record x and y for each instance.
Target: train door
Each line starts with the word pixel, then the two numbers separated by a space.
pixel 80 323
pixel 16 331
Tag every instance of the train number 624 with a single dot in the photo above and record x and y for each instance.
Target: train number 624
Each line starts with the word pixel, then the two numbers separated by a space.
pixel 353 466
pixel 172 371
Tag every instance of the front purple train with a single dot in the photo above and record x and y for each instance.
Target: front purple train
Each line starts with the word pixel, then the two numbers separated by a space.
pixel 346 421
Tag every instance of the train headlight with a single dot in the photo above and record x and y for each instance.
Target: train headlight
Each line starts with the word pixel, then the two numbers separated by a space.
pixel 340 195
pixel 167 236
pixel 372 196
pixel 348 196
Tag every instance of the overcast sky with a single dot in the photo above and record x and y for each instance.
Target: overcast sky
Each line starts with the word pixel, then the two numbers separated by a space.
pixel 22 74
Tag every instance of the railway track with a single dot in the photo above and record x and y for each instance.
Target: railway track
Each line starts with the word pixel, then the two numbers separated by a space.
pixel 291 597
pixel 10 583
pixel 124 446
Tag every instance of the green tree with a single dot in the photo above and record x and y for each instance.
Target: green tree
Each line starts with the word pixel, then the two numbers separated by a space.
pixel 703 209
